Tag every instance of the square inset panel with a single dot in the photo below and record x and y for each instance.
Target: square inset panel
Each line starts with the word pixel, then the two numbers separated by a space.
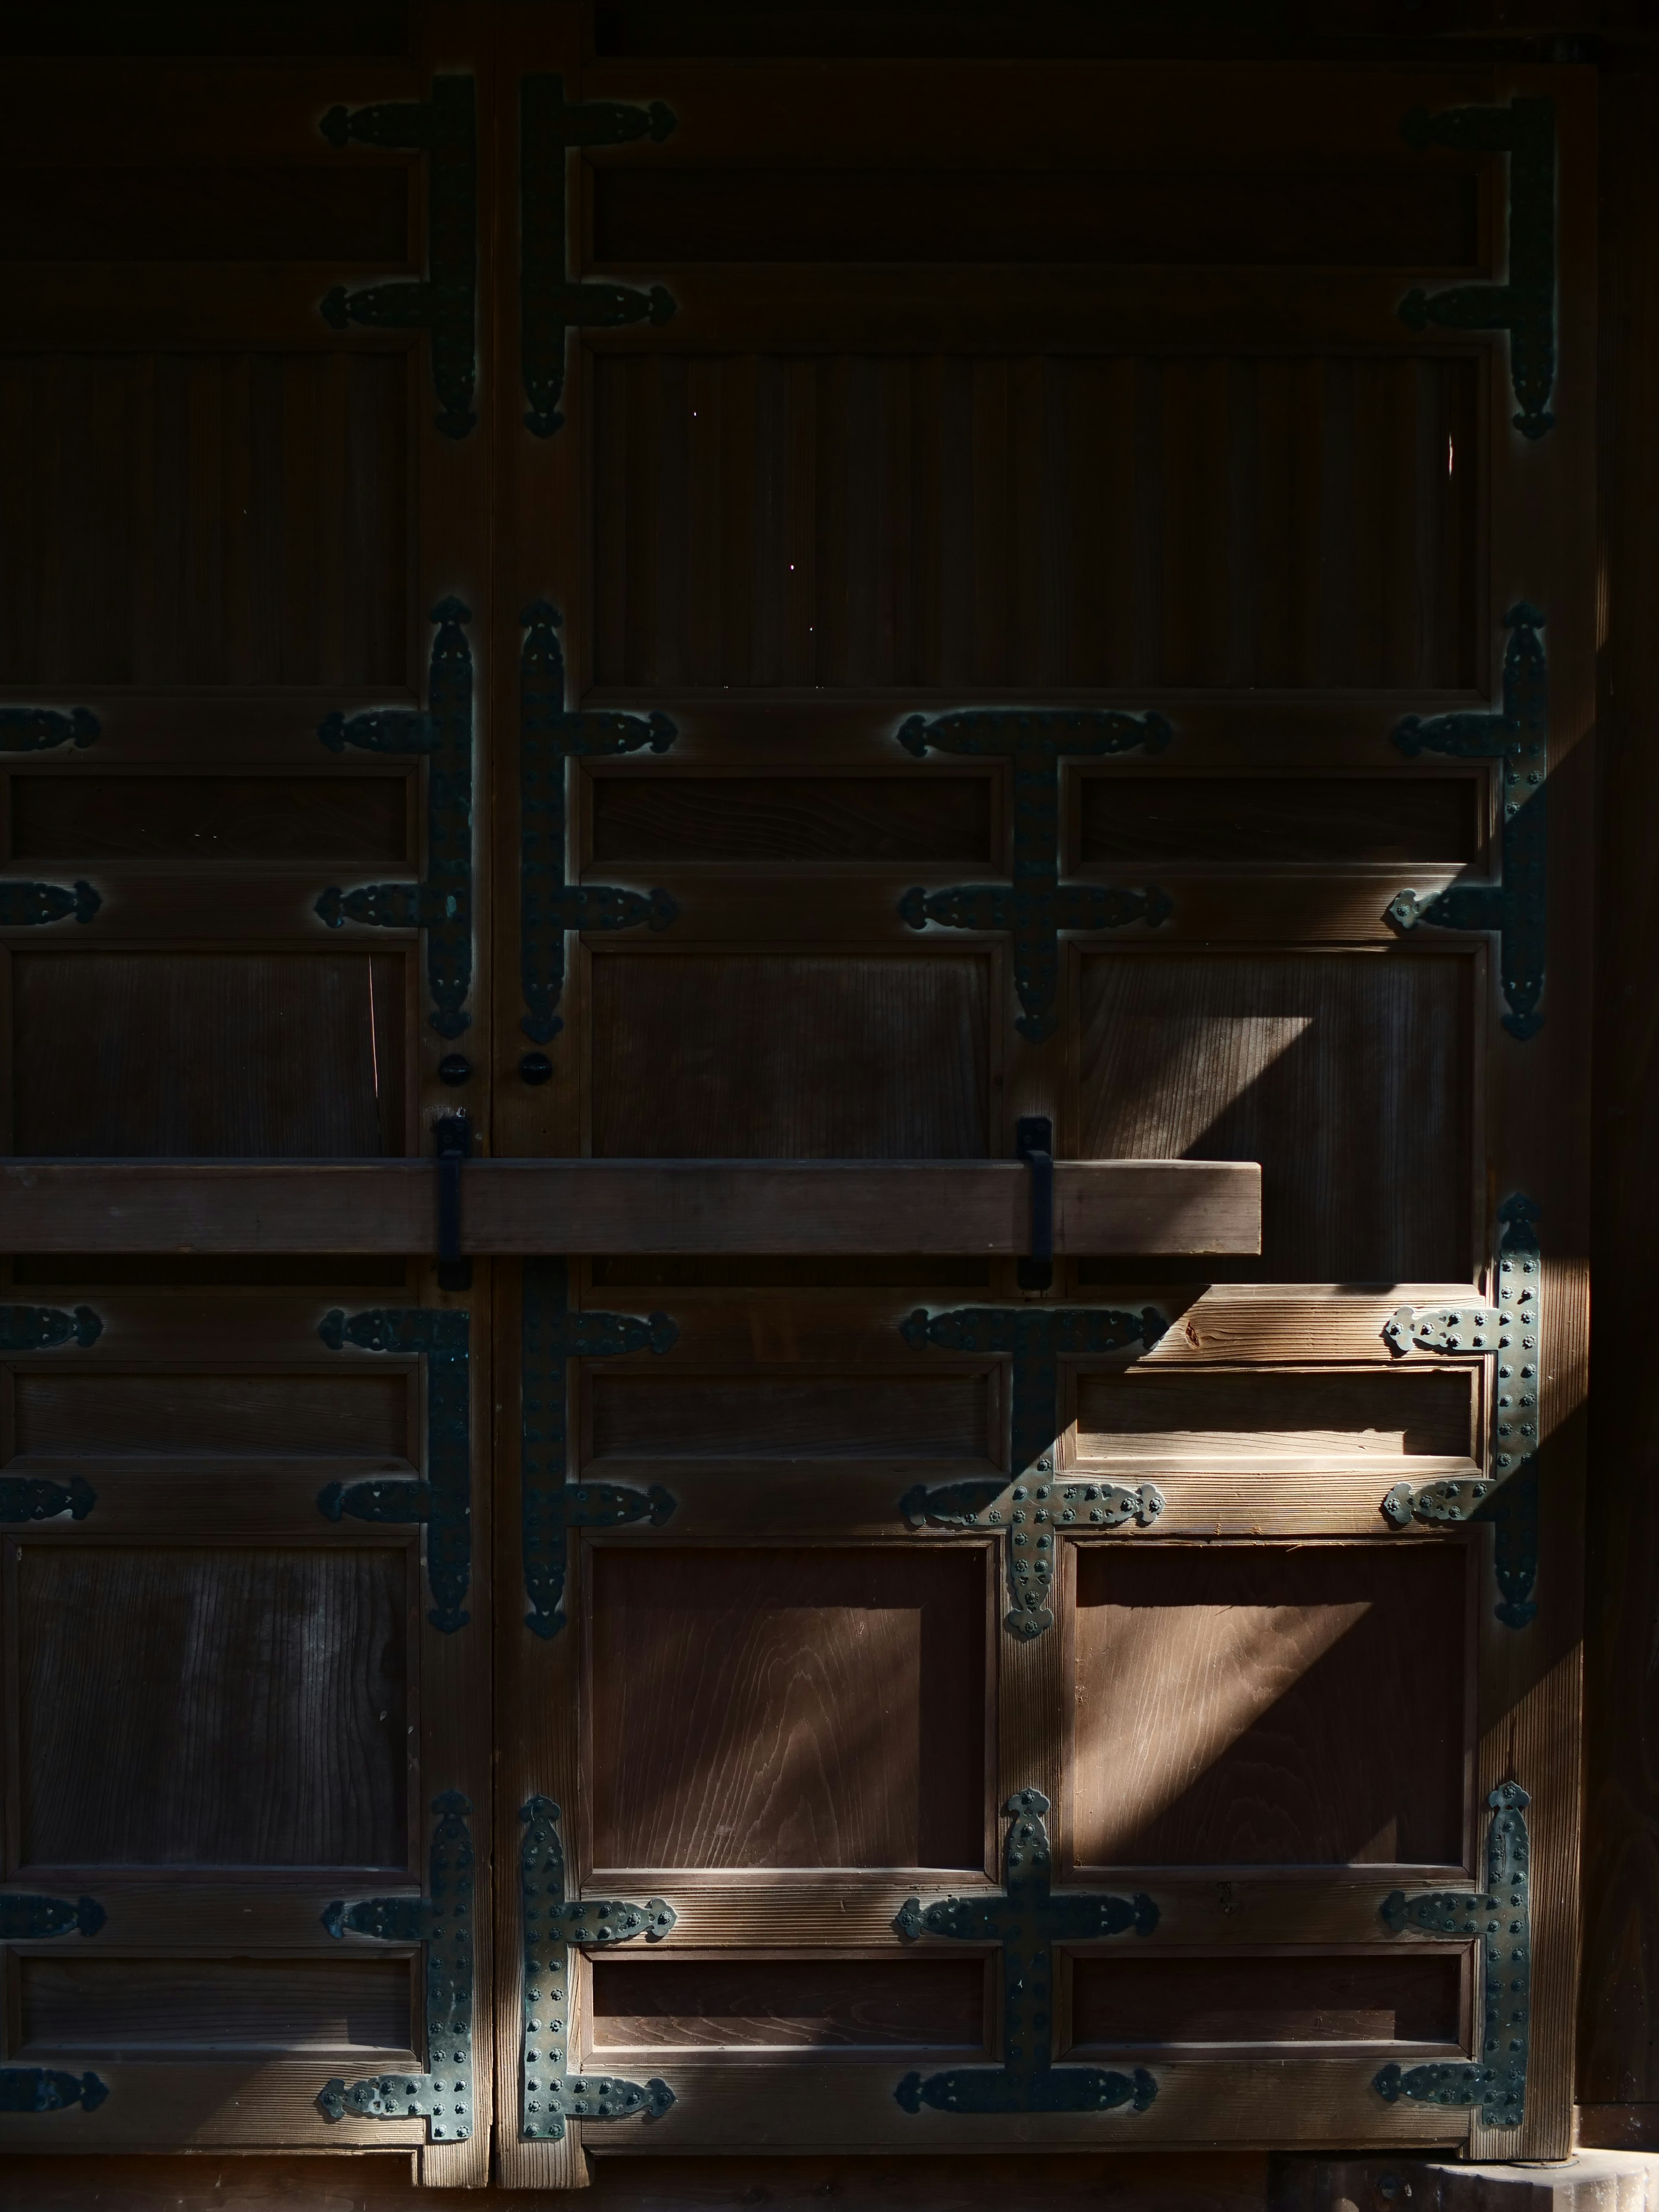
pixel 1263 1705
pixel 214 1706
pixel 768 1056
pixel 775 1708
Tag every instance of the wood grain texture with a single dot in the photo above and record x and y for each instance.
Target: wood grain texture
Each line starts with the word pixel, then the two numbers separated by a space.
pixel 1619 1985
pixel 202 1706
pixel 1350 1078
pixel 218 569
pixel 278 1053
pixel 255 1415
pixel 311 211
pixel 344 820
pixel 1259 821
pixel 666 214
pixel 777 1709
pixel 641 819
pixel 717 1207
pixel 203 2008
pixel 789 2003
pixel 1265 1418
pixel 852 501
pixel 1224 1702
pixel 627 2181
pixel 804 1416
pixel 195 28
pixel 1409 1996
pixel 785 1056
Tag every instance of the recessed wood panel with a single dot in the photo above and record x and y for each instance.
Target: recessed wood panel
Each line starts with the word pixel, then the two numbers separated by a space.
pixel 863 520
pixel 205 518
pixel 316 821
pixel 204 27
pixel 792 1417
pixel 213 1706
pixel 1270 1416
pixel 209 1271
pixel 820 1272
pixel 772 1708
pixel 214 2008
pixel 1348 218
pixel 1256 1706
pixel 311 211
pixel 1349 1077
pixel 922 29
pixel 1413 1996
pixel 748 1055
pixel 261 1415
pixel 1238 821
pixel 792 817
pixel 789 2003
pixel 284 1055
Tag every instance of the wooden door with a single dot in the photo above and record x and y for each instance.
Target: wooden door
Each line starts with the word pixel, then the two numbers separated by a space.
pixel 1069 616
pixel 246 1560
pixel 704 607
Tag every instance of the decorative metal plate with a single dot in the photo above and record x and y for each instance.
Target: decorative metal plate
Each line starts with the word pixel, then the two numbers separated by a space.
pixel 1524 305
pixel 552 1504
pixel 1028 1505
pixel 34 1497
pixel 443 1922
pixel 1518 736
pixel 1035 906
pixel 1512 1333
pixel 33 906
pixel 442 902
pixel 42 729
pixel 444 1500
pixel 1500 1917
pixel 444 302
pixel 551 304
pixel 31 1919
pixel 549 736
pixel 549 2095
pixel 39 2089
pixel 1028 1920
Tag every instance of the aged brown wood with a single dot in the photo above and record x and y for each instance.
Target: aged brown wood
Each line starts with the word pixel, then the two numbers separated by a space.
pixel 1174 1206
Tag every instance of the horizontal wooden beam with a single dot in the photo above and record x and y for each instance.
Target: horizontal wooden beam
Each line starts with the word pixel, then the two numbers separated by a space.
pixel 963 1207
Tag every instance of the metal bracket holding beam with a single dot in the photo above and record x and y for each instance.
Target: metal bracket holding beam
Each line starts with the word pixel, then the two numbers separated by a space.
pixel 551 1505
pixel 442 902
pixel 1500 1917
pixel 1035 906
pixel 1028 1920
pixel 1511 1334
pixel 549 2095
pixel 1033 1140
pixel 1524 305
pixel 444 302
pixel 1518 736
pixel 454 1134
pixel 1029 1504
pixel 548 907
pixel 442 2096
pixel 551 303
pixel 442 1338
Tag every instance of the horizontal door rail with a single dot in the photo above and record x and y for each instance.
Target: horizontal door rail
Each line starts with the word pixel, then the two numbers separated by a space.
pixel 960 1207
